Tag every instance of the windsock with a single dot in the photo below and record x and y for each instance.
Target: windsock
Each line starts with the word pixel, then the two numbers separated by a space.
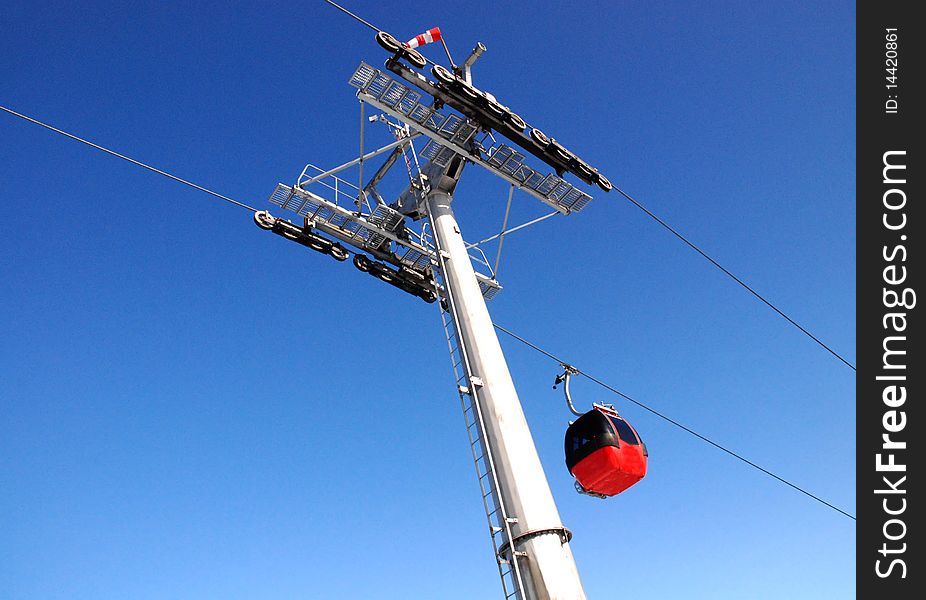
pixel 431 35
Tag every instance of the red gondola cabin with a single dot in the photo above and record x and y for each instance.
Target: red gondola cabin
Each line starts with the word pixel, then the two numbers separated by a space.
pixel 604 453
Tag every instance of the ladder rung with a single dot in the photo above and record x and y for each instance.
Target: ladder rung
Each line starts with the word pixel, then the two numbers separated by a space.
pixel 499 528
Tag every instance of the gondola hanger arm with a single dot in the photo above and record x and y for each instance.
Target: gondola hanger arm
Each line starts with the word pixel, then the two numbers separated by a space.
pixel 568 372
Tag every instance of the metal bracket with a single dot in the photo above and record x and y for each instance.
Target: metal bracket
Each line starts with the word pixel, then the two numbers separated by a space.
pixel 564 535
pixel 585 492
pixel 568 371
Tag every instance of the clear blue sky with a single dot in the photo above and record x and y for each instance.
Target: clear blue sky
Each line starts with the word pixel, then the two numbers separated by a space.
pixel 193 408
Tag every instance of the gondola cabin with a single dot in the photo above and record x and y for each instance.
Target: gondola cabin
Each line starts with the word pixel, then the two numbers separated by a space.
pixel 604 453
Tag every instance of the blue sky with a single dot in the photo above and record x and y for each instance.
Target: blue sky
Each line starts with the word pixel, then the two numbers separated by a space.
pixel 192 408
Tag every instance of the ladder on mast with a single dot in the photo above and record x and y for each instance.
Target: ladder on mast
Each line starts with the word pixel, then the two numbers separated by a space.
pixel 497 516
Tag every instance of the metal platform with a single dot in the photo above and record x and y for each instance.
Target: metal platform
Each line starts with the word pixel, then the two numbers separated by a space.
pixel 380 232
pixel 451 133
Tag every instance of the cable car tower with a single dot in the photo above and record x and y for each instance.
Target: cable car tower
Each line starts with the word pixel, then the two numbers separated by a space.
pixel 414 243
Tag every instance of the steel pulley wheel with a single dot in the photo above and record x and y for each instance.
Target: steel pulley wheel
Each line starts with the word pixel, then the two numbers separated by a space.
pixel 442 74
pixel 389 43
pixel 559 152
pixel 385 276
pixel 582 170
pixel 416 58
pixel 495 109
pixel 362 262
pixel 339 253
pixel 429 296
pixel 467 91
pixel 604 183
pixel 540 137
pixel 263 220
pixel 514 121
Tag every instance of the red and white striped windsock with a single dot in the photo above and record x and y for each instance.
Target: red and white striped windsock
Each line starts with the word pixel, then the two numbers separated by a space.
pixel 431 35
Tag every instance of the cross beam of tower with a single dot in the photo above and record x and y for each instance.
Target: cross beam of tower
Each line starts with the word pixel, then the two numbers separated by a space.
pixel 414 243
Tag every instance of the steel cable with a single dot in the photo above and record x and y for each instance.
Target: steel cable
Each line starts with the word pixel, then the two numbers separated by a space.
pixel 676 423
pixel 128 159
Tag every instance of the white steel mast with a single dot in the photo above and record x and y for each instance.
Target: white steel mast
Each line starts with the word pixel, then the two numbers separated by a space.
pixel 544 568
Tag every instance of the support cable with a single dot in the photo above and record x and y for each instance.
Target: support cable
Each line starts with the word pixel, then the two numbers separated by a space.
pixel 674 422
pixel 377 29
pixel 499 327
pixel 734 277
pixel 347 12
pixel 128 159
